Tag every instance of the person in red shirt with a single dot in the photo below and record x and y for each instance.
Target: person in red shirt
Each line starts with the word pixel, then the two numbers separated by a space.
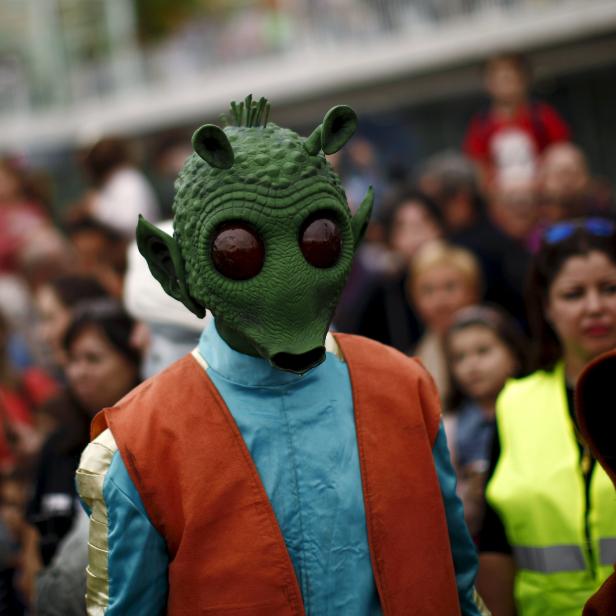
pixel 506 139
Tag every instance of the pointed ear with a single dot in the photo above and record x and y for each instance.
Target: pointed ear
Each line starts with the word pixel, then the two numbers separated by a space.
pixel 339 125
pixel 312 144
pixel 211 144
pixel 359 222
pixel 165 262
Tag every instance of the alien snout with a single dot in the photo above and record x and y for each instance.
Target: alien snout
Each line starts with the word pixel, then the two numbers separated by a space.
pixel 300 362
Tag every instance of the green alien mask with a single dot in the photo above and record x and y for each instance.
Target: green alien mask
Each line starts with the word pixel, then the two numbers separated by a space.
pixel 263 235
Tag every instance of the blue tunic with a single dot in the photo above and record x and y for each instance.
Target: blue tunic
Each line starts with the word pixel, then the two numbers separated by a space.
pixel 300 432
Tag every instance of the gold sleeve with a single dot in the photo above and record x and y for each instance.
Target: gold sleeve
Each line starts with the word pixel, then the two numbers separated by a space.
pixel 94 464
pixel 481 606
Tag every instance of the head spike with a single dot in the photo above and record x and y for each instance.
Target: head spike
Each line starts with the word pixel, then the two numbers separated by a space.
pixel 248 105
pixel 267 112
pixel 252 115
pixel 260 109
pixel 233 112
pixel 248 113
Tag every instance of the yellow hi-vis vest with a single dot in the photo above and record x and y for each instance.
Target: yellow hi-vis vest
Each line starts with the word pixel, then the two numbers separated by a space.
pixel 538 490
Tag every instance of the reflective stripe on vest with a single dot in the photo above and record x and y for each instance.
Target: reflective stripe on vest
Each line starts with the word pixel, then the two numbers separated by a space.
pixel 538 490
pixel 562 557
pixel 550 560
pixel 607 551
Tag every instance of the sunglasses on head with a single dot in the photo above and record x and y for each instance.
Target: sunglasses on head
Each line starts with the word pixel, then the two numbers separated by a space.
pixel 600 227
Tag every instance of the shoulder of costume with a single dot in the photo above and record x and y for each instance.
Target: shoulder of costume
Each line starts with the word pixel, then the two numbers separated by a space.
pixel 179 369
pixel 174 385
pixel 374 350
pixel 392 380
pixel 93 466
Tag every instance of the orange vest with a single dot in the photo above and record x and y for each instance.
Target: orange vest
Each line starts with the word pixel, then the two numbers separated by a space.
pixel 201 490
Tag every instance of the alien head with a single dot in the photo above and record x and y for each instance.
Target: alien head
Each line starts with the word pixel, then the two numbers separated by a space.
pixel 263 236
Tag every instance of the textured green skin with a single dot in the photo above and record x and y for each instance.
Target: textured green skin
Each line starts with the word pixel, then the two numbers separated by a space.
pixel 275 185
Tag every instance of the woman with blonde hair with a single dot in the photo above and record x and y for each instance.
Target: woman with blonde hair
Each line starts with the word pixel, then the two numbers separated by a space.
pixel 443 279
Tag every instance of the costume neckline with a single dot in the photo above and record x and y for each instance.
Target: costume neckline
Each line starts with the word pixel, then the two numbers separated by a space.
pixel 242 369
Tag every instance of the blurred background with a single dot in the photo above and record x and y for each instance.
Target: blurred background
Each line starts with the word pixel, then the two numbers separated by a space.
pixel 482 123
pixel 74 70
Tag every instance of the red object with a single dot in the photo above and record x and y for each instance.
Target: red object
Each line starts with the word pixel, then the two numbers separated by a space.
pixel 594 396
pixel 17 404
pixel 494 142
pixel 603 602
pixel 17 223
pixel 202 491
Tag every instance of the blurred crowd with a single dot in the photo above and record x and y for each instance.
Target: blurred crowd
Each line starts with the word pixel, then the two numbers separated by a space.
pixel 491 261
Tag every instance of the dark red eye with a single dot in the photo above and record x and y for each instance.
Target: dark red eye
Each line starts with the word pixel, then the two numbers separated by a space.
pixel 237 251
pixel 320 242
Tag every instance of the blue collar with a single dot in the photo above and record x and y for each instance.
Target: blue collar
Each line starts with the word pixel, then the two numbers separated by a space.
pixel 240 368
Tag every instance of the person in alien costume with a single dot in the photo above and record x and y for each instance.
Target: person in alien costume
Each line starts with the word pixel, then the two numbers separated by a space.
pixel 278 469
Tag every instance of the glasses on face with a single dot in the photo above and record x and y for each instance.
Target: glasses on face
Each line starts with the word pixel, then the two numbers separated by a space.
pixel 600 227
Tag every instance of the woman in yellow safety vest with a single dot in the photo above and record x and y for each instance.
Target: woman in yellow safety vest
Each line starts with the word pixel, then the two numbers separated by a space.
pixel 549 535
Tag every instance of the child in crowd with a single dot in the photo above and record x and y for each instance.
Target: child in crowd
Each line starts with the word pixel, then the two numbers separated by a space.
pixel 442 280
pixel 484 347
